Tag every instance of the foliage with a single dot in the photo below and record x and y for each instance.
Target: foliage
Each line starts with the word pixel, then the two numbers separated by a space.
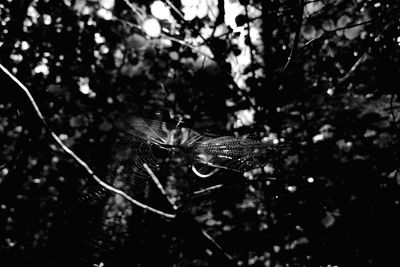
pixel 319 77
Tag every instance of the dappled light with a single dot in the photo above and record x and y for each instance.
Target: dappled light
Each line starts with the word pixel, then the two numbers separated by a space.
pixel 199 133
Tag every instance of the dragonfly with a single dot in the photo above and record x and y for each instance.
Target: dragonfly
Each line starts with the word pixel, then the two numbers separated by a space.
pixel 218 152
pixel 163 165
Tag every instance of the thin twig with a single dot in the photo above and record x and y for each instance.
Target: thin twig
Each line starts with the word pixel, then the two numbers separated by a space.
pixel 356 65
pixel 166 36
pixel 135 10
pixel 297 35
pixel 175 9
pixel 328 33
pixel 159 185
pixel 206 190
pixel 83 164
pixel 360 60
pixel 216 245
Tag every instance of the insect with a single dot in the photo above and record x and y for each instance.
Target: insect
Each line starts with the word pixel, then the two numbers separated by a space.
pixel 222 152
pixel 165 166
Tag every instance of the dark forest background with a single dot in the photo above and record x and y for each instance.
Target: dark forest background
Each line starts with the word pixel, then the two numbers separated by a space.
pixel 319 76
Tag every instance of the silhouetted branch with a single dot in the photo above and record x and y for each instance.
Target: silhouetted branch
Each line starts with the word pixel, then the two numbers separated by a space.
pixel 221 13
pixel 83 164
pixel 327 34
pixel 249 41
pixel 360 60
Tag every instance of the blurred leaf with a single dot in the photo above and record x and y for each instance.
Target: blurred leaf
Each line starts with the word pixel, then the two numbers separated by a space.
pixel 308 31
pixel 353 32
pixel 105 126
pixel 137 41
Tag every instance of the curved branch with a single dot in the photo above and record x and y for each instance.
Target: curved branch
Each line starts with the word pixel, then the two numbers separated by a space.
pixel 297 35
pixel 83 164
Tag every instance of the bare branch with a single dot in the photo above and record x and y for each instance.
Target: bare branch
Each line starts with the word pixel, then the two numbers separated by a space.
pixel 159 185
pixel 207 190
pixel 135 9
pixel 175 9
pixel 83 164
pixel 361 59
pixel 297 35
pixel 356 65
pixel 216 245
pixel 193 228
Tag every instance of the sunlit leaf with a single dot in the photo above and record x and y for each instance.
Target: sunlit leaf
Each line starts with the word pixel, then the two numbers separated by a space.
pixel 107 4
pixel 353 32
pixel 313 7
pixel 152 27
pixel 343 21
pixel 159 10
pixel 232 10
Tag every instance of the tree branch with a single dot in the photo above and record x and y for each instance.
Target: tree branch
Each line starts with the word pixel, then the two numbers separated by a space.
pixel 249 40
pixel 83 164
pixel 330 32
pixel 297 35
pixel 166 36
pixel 159 185
pixel 361 59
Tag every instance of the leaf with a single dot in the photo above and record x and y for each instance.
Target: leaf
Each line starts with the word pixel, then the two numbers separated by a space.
pixel 152 27
pixel 328 220
pixel 353 32
pixel 105 126
pixel 328 25
pixel 343 21
pixel 76 122
pixel 308 31
pixel 136 41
